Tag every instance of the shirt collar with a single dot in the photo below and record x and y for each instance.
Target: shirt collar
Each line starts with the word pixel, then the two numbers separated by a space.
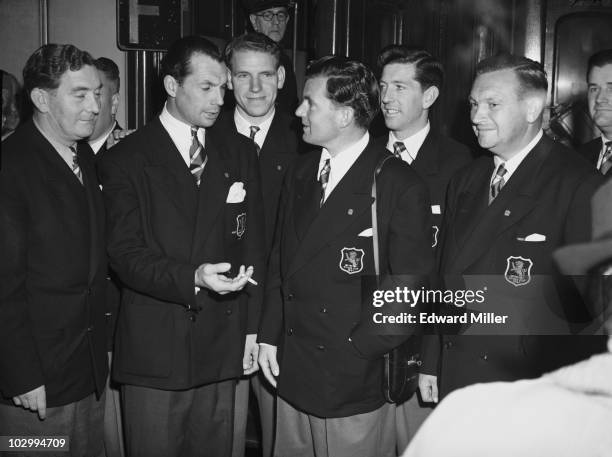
pixel 413 143
pixel 512 164
pixel 341 163
pixel 243 126
pixel 96 144
pixel 180 133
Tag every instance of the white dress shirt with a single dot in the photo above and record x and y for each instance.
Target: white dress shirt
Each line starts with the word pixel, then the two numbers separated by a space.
pixel 604 140
pixel 341 163
pixel 180 133
pixel 244 127
pixel 512 164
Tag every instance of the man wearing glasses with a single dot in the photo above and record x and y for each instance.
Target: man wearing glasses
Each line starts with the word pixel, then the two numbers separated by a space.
pixel 271 17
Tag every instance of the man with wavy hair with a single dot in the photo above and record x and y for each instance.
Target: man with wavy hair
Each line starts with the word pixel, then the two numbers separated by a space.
pixel 313 339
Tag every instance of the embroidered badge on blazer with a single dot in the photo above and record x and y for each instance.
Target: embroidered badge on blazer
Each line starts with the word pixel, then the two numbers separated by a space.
pixel 518 270
pixel 435 230
pixel 240 225
pixel 351 260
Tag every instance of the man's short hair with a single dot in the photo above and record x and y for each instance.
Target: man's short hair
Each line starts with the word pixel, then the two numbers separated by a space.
pixel 599 59
pixel 531 74
pixel 349 83
pixel 428 70
pixel 110 70
pixel 177 62
pixel 46 66
pixel 252 42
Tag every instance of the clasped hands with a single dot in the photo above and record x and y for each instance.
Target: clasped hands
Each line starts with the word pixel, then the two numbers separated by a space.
pixel 211 276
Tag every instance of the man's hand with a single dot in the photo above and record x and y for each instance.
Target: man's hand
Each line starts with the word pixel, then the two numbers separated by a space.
pixel 428 386
pixel 34 400
pixel 116 136
pixel 251 352
pixel 210 275
pixel 268 363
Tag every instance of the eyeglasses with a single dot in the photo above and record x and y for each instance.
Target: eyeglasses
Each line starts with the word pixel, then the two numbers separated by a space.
pixel 267 16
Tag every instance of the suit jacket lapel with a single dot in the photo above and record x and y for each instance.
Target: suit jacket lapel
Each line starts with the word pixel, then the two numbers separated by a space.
pixel 169 171
pixel 348 200
pixel 216 179
pixel 517 198
pixel 427 161
pixel 307 196
pixel 90 182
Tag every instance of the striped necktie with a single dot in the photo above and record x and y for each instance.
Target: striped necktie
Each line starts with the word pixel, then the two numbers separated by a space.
pixel 76 169
pixel 197 158
pixel 606 163
pixel 497 182
pixel 254 129
pixel 399 148
pixel 324 178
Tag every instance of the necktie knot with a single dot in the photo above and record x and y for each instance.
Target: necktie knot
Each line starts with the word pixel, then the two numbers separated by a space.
pixel 324 179
pixel 497 182
pixel 254 129
pixel 606 163
pixel 399 148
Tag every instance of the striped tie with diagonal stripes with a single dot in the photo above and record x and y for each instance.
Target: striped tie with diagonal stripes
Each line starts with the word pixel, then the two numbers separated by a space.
pixel 497 182
pixel 76 169
pixel 324 178
pixel 197 158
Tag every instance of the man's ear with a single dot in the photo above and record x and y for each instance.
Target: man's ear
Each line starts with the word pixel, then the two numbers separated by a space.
pixel 253 20
pixel 346 115
pixel 40 99
pixel 171 85
pixel 534 106
pixel 430 96
pixel 280 72
pixel 114 104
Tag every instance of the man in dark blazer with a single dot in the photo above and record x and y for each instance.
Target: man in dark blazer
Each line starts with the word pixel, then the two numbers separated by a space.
pixel 53 362
pixel 410 83
pixel 106 126
pixel 185 217
pixel 315 336
pixel 255 76
pixel 505 215
pixel 599 94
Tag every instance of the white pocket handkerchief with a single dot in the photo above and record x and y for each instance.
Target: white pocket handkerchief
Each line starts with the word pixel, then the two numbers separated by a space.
pixel 534 238
pixel 366 232
pixel 435 209
pixel 236 193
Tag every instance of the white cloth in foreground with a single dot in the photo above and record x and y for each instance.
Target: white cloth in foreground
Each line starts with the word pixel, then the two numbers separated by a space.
pixel 565 413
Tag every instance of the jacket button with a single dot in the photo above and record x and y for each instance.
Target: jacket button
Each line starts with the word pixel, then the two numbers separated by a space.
pixel 320 347
pixel 228 312
pixel 323 310
pixel 485 356
pixel 192 318
pixel 290 297
pixel 448 344
pixel 290 331
pixel 90 328
pixel 88 291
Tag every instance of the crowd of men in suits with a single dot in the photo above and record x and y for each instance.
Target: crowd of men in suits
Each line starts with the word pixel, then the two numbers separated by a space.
pixel 233 249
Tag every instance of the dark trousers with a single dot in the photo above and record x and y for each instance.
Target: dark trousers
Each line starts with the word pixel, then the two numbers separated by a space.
pixel 188 423
pixel 81 421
